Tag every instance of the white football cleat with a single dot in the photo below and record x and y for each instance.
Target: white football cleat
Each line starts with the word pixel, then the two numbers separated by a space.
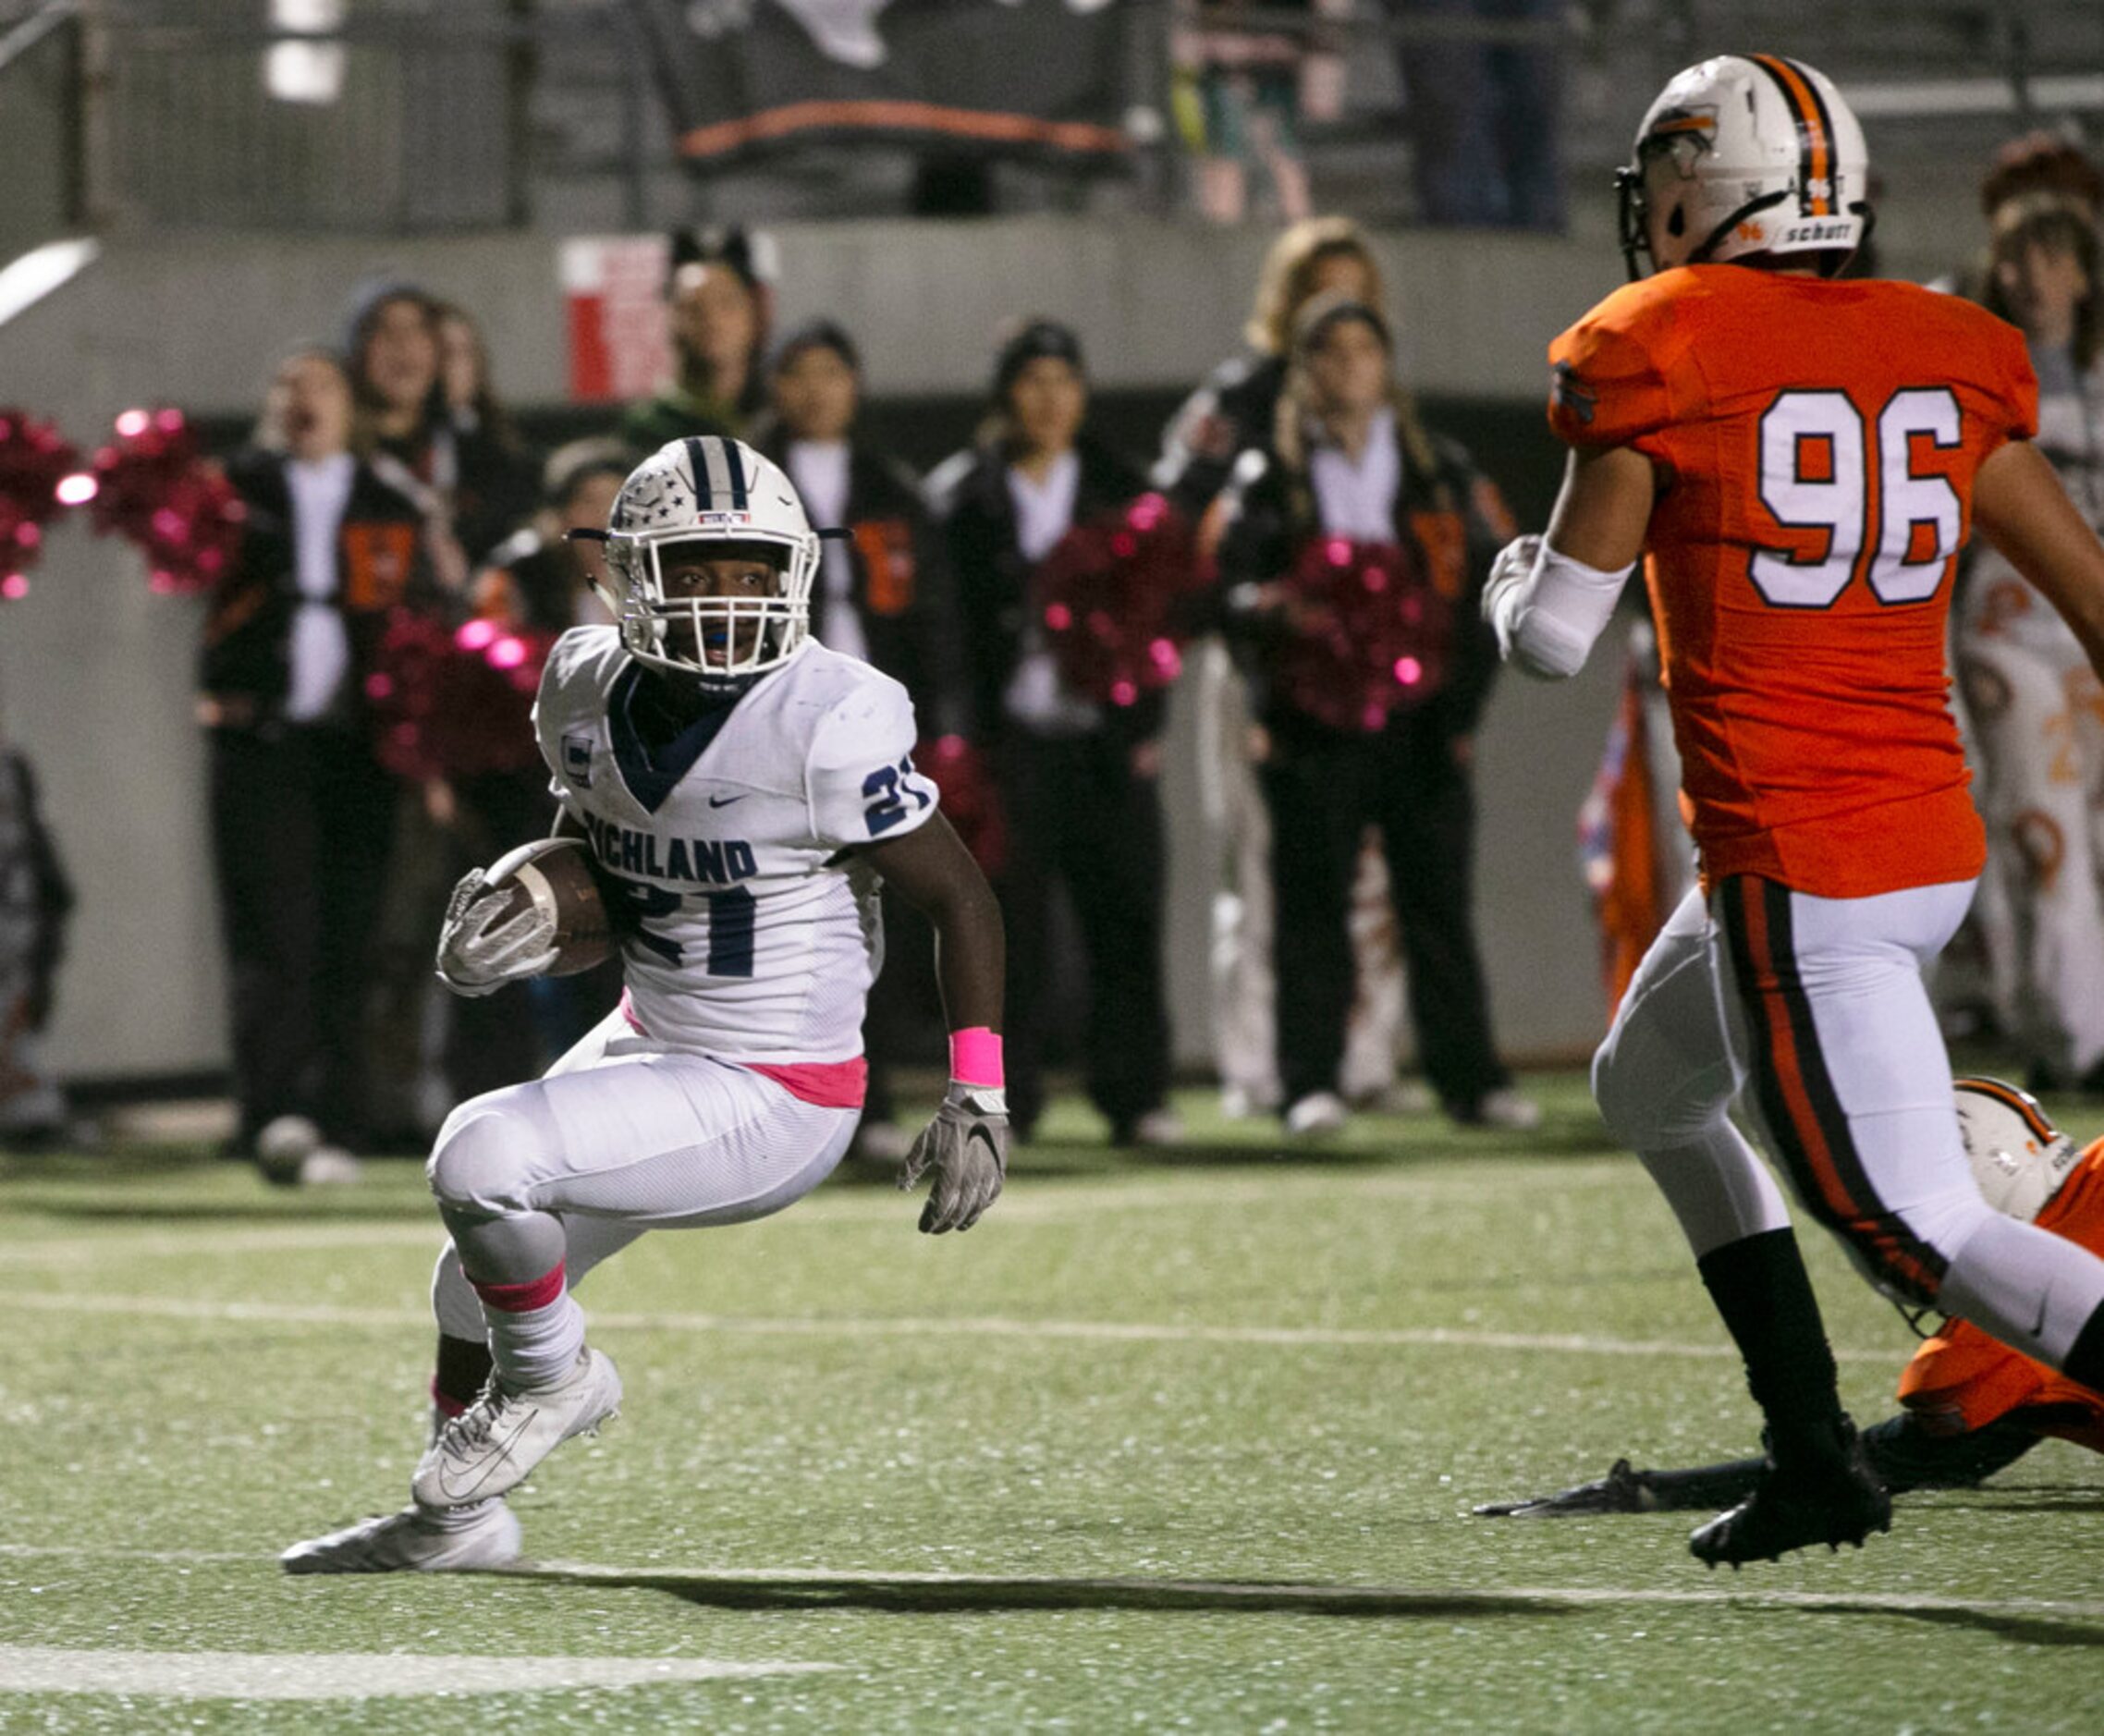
pixel 329 1167
pixel 494 1443
pixel 1319 1112
pixel 1506 1108
pixel 1159 1128
pixel 283 1146
pixel 414 1541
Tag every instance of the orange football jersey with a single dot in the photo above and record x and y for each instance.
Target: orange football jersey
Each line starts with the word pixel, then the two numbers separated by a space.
pixel 1817 443
pixel 1961 1379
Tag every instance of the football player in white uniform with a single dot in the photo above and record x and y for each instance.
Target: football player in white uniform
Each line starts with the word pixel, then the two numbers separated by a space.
pixel 742 791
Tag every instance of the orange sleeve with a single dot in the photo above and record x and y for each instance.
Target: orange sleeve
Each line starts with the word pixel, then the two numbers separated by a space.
pixel 1607 384
pixel 2020 384
pixel 1963 1379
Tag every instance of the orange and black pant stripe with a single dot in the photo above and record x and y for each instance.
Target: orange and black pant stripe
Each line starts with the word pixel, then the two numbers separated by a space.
pixel 1795 1090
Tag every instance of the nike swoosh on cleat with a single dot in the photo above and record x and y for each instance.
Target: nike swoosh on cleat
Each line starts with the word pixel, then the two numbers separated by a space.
pixel 477 1471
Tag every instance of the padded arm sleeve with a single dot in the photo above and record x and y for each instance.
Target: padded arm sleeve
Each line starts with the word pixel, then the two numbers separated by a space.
pixel 1548 614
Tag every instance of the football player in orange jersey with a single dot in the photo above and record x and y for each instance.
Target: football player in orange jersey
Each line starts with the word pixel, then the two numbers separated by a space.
pixel 1801 457
pixel 1969 1406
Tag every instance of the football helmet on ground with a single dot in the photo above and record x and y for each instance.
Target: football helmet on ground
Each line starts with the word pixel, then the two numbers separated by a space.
pixel 1745 155
pixel 2019 1158
pixel 722 500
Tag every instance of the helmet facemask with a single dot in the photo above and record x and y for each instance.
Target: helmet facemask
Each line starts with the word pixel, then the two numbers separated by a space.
pixel 669 622
pixel 1669 160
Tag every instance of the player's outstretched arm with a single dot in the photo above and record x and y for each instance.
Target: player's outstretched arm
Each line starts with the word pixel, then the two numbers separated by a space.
pixel 1905 1455
pixel 1550 597
pixel 967 1144
pixel 1702 1488
pixel 2020 506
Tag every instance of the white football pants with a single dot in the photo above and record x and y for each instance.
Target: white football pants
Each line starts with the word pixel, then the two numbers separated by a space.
pixel 1813 1014
pixel 622 1136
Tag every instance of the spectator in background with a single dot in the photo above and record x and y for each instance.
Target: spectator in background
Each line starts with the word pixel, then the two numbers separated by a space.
pixel 36 900
pixel 539 583
pixel 2042 162
pixel 1079 780
pixel 1241 90
pixel 882 594
pixel 1237 408
pixel 2034 704
pixel 302 813
pixel 498 470
pixel 1484 116
pixel 1976 989
pixel 461 464
pixel 1350 460
pixel 717 300
pixel 472 490
pixel 1237 405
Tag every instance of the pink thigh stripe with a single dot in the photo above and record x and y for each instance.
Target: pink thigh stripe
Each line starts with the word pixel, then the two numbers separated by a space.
pixel 827 1084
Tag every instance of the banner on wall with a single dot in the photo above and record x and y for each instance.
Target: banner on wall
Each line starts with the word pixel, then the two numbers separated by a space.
pixel 745 78
pixel 614 298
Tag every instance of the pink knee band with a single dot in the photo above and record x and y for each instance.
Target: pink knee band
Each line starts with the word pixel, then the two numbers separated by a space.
pixel 519 1299
pixel 975 1057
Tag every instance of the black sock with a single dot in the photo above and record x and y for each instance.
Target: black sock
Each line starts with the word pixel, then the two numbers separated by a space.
pixel 2086 1355
pixel 464 1366
pixel 1760 1286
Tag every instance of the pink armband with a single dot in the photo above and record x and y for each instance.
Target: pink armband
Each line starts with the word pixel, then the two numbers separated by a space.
pixel 975 1057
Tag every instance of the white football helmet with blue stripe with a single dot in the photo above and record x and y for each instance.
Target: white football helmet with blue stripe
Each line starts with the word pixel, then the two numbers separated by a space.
pixel 709 490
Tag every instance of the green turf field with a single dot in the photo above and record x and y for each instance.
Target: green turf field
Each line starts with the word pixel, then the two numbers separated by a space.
pixel 1187 1445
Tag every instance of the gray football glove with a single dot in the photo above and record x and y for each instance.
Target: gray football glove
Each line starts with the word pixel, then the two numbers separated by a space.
pixel 967 1147
pixel 479 953
pixel 1622 1490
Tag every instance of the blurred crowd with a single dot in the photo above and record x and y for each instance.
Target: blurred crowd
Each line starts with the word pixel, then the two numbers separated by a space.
pixel 398 524
pixel 1479 84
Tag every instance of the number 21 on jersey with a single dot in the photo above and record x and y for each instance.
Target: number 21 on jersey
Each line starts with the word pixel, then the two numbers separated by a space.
pixel 1818 454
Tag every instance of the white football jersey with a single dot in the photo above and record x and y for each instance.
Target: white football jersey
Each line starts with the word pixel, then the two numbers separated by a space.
pixel 757 933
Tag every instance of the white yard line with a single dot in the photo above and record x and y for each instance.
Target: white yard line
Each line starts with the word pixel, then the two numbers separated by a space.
pixel 345 1675
pixel 861 1326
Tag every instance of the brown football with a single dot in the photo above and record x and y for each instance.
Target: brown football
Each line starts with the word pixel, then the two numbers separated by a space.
pixel 562 881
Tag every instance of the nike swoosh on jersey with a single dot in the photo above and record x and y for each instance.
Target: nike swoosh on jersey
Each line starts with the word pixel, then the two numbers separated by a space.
pixel 724 802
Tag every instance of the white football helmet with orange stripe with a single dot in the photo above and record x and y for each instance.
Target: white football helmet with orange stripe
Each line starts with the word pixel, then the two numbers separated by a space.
pixel 2019 1158
pixel 1745 155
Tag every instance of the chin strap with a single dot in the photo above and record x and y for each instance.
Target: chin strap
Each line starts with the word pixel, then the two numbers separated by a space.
pixel 1732 222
